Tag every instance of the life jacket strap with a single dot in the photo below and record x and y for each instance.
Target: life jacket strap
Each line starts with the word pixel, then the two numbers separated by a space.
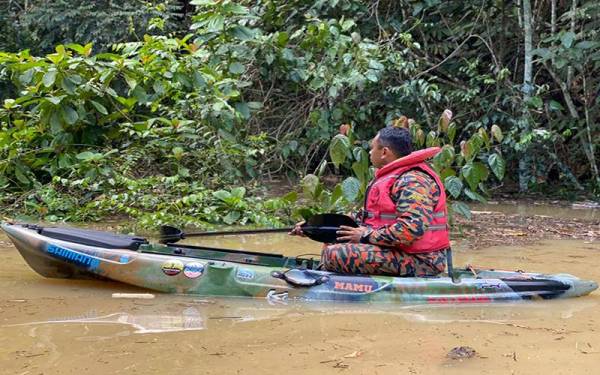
pixel 364 214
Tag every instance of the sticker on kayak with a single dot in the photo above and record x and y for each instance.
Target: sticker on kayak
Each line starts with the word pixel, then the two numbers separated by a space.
pixel 193 270
pixel 277 297
pixel 244 274
pixel 172 267
pixel 72 256
pixel 355 285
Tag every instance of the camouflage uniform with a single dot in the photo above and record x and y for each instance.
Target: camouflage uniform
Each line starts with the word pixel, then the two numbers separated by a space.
pixel 415 194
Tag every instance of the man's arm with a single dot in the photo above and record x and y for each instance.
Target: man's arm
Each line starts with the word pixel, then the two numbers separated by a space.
pixel 416 195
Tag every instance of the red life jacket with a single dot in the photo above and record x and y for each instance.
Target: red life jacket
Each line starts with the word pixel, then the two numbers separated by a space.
pixel 379 209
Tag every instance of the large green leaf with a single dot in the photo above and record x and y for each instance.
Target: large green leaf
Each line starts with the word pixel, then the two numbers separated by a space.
pixel 215 23
pixel 567 39
pixel 498 165
pixel 231 217
pixel 336 194
pixel 87 155
pixel 351 189
pixel 242 32
pixel 238 192
pixel 497 132
pixel 481 170
pixel 310 183
pixel 461 209
pixel 475 196
pixel 69 114
pixel 49 78
pixel 99 107
pixel 20 174
pixel 223 195
pixel 451 132
pixel 237 68
pixel 339 149
pixel 454 185
pixel 470 174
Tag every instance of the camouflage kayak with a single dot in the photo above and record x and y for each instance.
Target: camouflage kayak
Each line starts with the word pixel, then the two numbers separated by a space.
pixel 174 268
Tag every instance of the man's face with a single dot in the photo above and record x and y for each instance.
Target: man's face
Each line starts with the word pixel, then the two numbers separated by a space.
pixel 376 153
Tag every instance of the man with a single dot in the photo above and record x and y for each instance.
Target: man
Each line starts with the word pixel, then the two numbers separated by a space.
pixel 404 229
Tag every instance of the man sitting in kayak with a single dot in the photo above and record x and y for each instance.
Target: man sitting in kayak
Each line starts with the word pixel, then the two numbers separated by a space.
pixel 404 229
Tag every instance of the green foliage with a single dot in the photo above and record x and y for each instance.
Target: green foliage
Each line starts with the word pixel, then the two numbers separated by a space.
pixel 40 25
pixel 150 201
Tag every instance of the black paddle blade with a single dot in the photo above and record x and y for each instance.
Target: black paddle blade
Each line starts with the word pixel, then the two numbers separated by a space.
pixel 170 234
pixel 331 220
pixel 323 227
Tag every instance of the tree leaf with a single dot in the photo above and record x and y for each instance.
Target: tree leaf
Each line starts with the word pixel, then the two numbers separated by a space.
pixel 231 217
pixel 336 194
pixel 238 192
pixel 481 170
pixel 454 185
pixel 49 77
pixel 237 68
pixel 309 185
pixel 497 164
pixel 567 39
pixel 99 107
pixel 223 195
pixel 242 33
pixel 339 148
pixel 243 109
pixel 461 209
pixel 215 23
pixel 55 99
pixel 474 196
pixel 20 175
pixel 351 189
pixel 86 155
pixel 451 132
pixel 497 132
pixel 69 115
pixel 470 174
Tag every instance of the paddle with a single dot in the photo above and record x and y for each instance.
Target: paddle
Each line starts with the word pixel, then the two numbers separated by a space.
pixel 320 228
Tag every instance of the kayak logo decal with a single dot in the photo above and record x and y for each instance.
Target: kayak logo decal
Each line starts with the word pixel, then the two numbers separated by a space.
pixel 277 297
pixel 193 270
pixel 244 274
pixel 490 286
pixel 172 267
pixel 362 286
pixel 72 256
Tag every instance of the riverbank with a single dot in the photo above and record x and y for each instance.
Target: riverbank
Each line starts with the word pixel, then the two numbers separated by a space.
pixel 513 223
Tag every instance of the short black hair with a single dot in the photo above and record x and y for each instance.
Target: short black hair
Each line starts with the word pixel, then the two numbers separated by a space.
pixel 396 139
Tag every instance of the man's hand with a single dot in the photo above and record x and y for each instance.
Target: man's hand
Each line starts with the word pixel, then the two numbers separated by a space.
pixel 350 234
pixel 297 231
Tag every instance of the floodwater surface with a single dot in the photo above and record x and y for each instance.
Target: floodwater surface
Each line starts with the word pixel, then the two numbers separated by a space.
pixel 50 326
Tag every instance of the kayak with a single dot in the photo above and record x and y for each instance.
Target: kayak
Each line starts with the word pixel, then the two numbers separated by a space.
pixel 175 268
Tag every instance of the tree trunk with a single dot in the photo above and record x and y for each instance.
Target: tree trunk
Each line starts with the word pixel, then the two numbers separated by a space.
pixel 527 88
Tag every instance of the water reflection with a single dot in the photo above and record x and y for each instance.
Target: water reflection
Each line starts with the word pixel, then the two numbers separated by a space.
pixel 181 314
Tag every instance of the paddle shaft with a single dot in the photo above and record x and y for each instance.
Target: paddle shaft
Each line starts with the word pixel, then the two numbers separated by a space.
pixel 321 228
pixel 308 229
pixel 225 233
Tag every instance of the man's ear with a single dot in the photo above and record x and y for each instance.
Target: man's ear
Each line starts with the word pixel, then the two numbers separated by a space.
pixel 387 152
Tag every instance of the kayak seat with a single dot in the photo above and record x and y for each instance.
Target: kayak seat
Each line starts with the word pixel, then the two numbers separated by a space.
pixel 94 238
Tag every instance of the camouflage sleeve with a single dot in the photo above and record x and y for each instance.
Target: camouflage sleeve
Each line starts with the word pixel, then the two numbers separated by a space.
pixel 416 195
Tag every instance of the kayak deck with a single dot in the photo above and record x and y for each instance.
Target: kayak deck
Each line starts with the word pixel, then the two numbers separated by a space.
pixel 65 253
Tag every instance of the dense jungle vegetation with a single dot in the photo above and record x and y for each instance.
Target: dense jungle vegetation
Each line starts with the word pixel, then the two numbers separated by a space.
pixel 183 111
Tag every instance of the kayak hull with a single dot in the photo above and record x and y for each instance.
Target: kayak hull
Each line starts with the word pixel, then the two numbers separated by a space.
pixel 218 272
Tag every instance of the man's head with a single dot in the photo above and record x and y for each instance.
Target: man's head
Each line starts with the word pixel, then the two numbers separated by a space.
pixel 389 144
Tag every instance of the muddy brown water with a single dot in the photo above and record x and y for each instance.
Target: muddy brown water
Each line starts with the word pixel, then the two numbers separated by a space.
pixel 69 327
